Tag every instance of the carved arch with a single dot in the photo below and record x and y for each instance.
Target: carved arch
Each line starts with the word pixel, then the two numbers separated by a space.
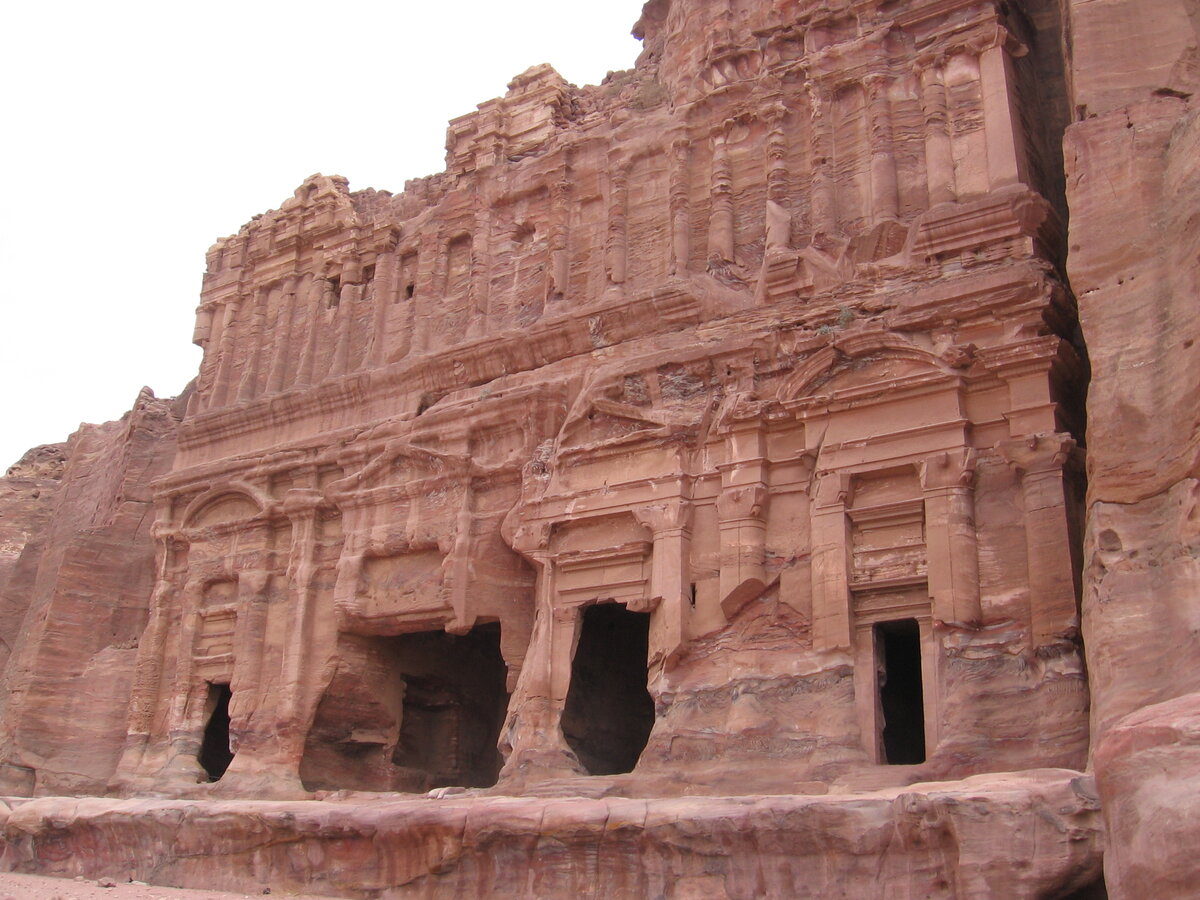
pixel 233 496
pixel 800 384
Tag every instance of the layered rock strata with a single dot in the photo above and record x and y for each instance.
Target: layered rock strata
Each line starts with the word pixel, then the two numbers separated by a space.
pixel 935 841
pixel 75 603
pixel 718 430
pixel 1133 165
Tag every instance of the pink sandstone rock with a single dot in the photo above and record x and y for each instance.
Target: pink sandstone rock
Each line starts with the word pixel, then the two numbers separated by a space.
pixel 1019 836
pixel 76 604
pixel 27 494
pixel 684 490
pixel 1133 166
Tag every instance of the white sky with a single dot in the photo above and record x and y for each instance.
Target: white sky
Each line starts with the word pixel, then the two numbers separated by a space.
pixel 134 133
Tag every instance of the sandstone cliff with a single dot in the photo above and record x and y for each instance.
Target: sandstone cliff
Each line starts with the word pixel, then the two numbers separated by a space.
pixel 681 495
pixel 1133 167
pixel 75 605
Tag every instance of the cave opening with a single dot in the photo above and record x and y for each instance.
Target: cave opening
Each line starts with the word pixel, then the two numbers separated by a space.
pixel 215 753
pixel 455 700
pixel 901 695
pixel 410 712
pixel 609 711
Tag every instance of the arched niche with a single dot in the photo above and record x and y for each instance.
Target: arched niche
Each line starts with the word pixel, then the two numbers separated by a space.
pixel 860 362
pixel 221 506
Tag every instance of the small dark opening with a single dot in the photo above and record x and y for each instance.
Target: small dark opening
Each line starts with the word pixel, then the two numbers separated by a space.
pixel 368 274
pixel 409 291
pixel 609 711
pixel 898 645
pixel 215 754
pixel 1094 890
pixel 335 292
pixel 692 595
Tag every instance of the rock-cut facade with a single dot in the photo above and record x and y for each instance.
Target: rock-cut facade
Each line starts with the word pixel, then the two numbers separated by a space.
pixel 688 492
pixel 717 422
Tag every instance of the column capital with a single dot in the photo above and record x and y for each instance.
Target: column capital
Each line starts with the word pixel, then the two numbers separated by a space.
pixel 743 502
pixel 1038 453
pixel 830 489
pixel 661 518
pixel 949 469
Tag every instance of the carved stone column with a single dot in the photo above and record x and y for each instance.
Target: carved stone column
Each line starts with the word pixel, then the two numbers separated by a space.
pixel 680 206
pixel 532 738
pixel 1039 460
pixel 185 706
pixel 560 229
pixel 951 541
pixel 616 249
pixel 742 515
pixel 1005 151
pixel 291 707
pixel 386 276
pixel 885 198
pixel 222 386
pixel 778 216
pixel 311 302
pixel 830 563
pixel 824 208
pixel 277 376
pixel 431 285
pixel 741 512
pixel 939 154
pixel 152 656
pixel 343 327
pixel 720 223
pixel 256 335
pixel 249 643
pixel 208 324
pixel 670 577
pixel 479 295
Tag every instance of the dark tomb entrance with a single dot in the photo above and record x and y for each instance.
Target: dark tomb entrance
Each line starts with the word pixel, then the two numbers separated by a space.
pixel 454 704
pixel 609 712
pixel 215 755
pixel 901 698
pixel 410 712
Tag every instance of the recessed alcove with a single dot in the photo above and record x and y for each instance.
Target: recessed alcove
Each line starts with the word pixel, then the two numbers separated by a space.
pixel 609 711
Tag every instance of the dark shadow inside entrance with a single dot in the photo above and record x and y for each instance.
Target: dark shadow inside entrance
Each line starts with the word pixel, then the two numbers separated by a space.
pixel 609 712
pixel 901 697
pixel 410 713
pixel 215 755
pixel 454 705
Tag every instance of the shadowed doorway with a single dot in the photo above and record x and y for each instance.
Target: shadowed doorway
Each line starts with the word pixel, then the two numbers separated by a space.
pixel 609 712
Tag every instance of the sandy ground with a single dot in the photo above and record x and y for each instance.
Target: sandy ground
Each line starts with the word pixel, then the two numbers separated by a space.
pixel 37 887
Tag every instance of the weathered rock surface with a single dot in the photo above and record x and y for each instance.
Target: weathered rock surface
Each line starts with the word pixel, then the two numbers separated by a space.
pixel 1148 767
pixel 27 494
pixel 75 605
pixel 691 474
pixel 714 424
pixel 1133 166
pixel 1033 835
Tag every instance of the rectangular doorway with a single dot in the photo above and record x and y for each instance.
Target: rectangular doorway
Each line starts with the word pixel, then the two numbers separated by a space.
pixel 901 692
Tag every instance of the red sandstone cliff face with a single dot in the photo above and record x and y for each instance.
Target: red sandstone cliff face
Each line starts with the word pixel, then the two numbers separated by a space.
pixel 75 606
pixel 755 362
pixel 27 495
pixel 1133 167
